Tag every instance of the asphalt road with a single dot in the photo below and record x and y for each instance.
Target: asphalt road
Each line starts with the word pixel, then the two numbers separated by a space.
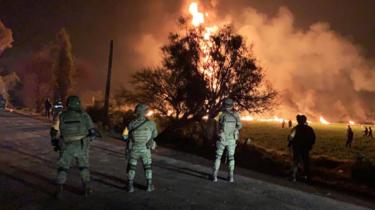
pixel 28 170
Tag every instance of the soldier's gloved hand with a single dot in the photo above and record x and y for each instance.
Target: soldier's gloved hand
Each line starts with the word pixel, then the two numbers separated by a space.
pixel 55 144
pixel 94 133
pixel 151 144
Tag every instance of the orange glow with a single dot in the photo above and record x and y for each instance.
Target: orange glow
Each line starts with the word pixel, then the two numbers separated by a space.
pixel 323 121
pixel 351 122
pixel 206 66
pixel 198 17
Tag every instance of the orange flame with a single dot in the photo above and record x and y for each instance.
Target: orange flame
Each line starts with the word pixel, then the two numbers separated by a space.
pixel 198 17
pixel 323 121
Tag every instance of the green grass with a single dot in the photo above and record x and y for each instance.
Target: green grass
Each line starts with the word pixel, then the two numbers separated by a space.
pixel 330 140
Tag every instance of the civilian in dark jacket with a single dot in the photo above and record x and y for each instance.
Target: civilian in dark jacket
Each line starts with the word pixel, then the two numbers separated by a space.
pixel 302 138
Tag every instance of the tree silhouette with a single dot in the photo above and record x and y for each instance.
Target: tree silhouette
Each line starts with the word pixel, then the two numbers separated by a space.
pixel 199 72
pixel 64 70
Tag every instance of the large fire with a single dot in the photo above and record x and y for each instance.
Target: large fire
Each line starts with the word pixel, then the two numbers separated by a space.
pixel 205 66
pixel 323 121
pixel 198 17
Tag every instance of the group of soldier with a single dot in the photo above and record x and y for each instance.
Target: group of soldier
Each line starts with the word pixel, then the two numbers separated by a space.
pixel 73 130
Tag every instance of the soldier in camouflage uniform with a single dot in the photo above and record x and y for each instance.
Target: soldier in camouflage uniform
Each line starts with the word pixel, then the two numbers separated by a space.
pixel 140 134
pixel 70 135
pixel 229 126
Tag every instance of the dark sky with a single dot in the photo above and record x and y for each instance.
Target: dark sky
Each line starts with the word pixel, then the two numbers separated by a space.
pixel 92 23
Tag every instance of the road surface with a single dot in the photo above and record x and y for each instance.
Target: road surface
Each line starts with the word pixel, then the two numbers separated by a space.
pixel 28 169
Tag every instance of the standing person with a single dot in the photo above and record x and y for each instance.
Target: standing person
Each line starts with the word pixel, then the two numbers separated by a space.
pixel 47 108
pixel 350 136
pixel 302 138
pixel 370 132
pixel 140 134
pixel 365 132
pixel 290 123
pixel 283 124
pixel 229 126
pixel 70 135
pixel 57 108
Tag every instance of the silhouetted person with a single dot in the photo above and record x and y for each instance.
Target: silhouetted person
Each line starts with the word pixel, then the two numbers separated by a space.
pixel 365 132
pixel 301 140
pixel 283 124
pixel 350 136
pixel 57 108
pixel 47 108
pixel 290 124
pixel 370 132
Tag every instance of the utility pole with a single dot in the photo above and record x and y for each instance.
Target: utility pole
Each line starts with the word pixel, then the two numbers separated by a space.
pixel 108 84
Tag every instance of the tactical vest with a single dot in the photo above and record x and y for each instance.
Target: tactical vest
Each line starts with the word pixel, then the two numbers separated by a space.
pixel 229 123
pixel 141 135
pixel 73 126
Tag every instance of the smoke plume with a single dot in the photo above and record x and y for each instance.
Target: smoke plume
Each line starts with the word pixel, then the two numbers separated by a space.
pixel 316 70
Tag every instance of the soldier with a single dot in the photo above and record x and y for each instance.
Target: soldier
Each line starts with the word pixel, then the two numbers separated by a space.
pixel 283 124
pixel 229 126
pixel 140 134
pixel 302 138
pixel 349 135
pixel 71 134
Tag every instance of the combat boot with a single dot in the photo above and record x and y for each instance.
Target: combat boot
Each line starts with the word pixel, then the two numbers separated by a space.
pixel 87 188
pixel 231 177
pixel 59 192
pixel 150 186
pixel 131 186
pixel 214 176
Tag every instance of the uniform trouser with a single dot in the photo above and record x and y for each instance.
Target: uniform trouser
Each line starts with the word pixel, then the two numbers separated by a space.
pixel 78 150
pixel 230 145
pixel 301 157
pixel 145 155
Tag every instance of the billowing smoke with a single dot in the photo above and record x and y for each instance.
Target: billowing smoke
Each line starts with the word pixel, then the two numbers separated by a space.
pixel 6 38
pixel 316 70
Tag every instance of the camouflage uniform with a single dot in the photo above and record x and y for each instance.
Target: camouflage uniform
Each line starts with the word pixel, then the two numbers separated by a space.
pixel 74 128
pixel 229 126
pixel 141 133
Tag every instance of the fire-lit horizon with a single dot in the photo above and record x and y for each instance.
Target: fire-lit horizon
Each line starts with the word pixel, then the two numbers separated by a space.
pixel 307 57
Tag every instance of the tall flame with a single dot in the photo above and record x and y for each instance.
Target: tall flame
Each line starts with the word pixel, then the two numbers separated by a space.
pixel 323 121
pixel 198 17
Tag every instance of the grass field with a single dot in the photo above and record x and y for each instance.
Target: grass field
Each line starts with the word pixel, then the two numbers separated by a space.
pixel 330 140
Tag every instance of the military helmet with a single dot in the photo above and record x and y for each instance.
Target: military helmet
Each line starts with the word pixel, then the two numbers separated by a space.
pixel 228 103
pixel 141 108
pixel 73 103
